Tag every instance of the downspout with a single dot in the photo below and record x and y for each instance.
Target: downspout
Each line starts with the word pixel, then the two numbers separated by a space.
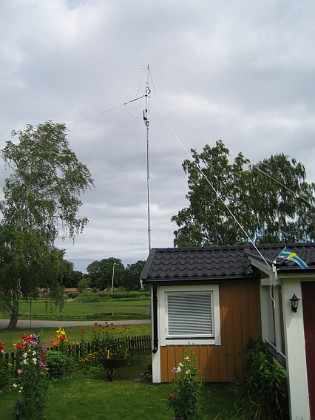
pixel 155 320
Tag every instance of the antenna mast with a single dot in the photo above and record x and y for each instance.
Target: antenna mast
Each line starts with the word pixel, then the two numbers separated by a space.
pixel 147 124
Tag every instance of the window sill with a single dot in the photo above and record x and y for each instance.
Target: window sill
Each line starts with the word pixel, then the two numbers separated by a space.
pixel 189 338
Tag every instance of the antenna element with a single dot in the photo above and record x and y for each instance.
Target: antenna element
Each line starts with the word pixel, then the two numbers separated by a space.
pixel 147 124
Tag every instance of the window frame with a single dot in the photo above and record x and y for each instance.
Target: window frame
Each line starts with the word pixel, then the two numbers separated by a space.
pixel 188 339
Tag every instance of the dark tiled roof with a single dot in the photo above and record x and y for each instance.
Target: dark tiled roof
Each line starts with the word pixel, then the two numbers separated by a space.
pixel 270 252
pixel 174 264
pixel 218 263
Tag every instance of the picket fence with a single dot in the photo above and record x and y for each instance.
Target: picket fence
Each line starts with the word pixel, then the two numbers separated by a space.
pixel 137 345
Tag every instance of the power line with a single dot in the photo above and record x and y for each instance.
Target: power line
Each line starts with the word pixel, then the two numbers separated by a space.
pixel 215 191
pixel 107 110
pixel 280 183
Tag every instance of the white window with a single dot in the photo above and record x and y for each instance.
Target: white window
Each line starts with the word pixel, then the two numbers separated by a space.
pixel 190 314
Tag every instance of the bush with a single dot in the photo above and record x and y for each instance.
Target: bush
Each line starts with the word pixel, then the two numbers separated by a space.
pixel 4 373
pixel 263 393
pixel 87 298
pixel 72 295
pixel 58 364
pixel 130 295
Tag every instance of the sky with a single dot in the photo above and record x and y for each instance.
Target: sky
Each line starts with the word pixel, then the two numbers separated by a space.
pixel 240 70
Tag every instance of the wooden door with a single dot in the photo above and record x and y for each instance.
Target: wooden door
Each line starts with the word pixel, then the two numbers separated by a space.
pixel 308 296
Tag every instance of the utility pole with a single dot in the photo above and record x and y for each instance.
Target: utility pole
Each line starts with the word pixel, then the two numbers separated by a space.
pixel 113 274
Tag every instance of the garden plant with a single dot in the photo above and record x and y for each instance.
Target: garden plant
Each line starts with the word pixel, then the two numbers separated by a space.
pixel 185 389
pixel 263 392
pixel 31 380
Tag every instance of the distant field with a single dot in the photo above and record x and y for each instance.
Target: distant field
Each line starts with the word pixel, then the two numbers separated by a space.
pixel 89 307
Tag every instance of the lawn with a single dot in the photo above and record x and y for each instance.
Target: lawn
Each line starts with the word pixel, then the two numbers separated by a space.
pixel 90 307
pixel 129 397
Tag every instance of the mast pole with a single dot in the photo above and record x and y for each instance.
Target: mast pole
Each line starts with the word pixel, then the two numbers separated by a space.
pixel 147 124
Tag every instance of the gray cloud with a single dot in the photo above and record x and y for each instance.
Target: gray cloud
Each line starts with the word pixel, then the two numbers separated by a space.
pixel 219 70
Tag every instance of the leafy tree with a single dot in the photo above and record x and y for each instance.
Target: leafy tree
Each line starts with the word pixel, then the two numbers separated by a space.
pixel 132 275
pixel 72 277
pixel 41 200
pixel 285 201
pixel 83 284
pixel 101 273
pixel 235 203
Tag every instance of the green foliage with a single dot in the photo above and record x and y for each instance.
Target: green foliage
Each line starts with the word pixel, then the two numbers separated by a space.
pixel 5 373
pixel 59 364
pixel 41 200
pixel 101 273
pixel 263 394
pixel 132 275
pixel 72 277
pixel 130 295
pixel 31 381
pixel 109 341
pixel 83 285
pixel 184 391
pixel 88 298
pixel 72 295
pixel 234 202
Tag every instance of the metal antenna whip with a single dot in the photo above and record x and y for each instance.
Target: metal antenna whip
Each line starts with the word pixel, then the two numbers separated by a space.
pixel 147 123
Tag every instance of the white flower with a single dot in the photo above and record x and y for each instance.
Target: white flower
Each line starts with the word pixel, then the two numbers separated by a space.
pixel 33 353
pixel 14 385
pixel 34 360
pixel 186 358
pixel 25 362
pixel 24 355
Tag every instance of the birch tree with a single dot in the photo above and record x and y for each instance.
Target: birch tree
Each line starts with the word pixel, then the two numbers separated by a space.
pixel 42 197
pixel 236 202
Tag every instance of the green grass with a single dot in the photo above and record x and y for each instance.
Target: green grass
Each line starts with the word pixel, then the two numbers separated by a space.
pixel 74 334
pixel 129 397
pixel 94 308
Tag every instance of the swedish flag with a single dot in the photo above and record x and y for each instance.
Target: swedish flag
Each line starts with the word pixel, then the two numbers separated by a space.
pixel 291 255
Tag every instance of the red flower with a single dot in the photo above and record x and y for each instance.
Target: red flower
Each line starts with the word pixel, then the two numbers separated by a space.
pixel 82 330
pixel 19 346
pixel 172 395
pixel 27 339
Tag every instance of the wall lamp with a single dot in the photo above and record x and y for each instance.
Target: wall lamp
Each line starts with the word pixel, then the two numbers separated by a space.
pixel 294 302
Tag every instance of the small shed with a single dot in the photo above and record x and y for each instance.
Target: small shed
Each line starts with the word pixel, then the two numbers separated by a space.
pixel 215 298
pixel 202 297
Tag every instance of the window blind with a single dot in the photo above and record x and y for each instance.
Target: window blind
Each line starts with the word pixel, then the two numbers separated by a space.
pixel 190 314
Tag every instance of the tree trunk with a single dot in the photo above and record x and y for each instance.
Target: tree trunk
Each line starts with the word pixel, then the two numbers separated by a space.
pixel 14 312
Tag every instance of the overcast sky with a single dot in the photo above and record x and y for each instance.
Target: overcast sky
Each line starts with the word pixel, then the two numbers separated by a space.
pixel 241 71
